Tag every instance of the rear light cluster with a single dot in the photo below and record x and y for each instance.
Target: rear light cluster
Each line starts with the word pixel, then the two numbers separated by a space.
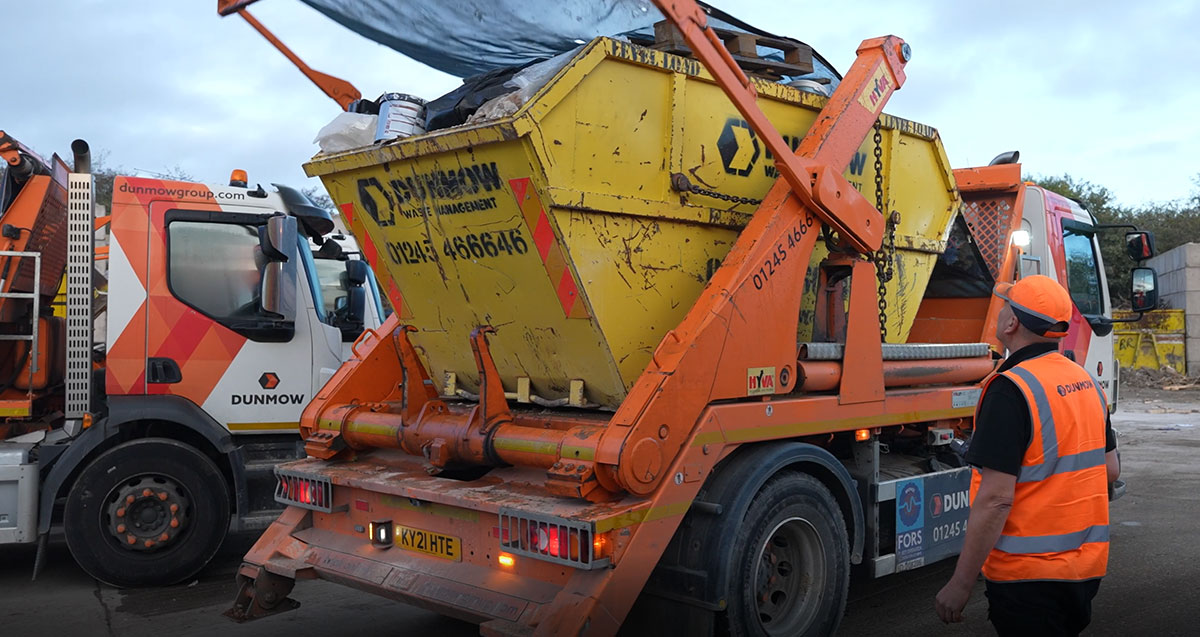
pixel 305 491
pixel 553 539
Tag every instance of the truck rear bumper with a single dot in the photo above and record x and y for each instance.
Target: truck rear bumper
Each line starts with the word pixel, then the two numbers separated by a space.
pixel 472 585
pixel 401 576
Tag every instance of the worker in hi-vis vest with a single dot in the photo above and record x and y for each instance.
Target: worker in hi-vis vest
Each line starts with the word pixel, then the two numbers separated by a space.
pixel 1043 456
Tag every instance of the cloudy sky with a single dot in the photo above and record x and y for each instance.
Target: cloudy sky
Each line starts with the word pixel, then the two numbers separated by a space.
pixel 1104 90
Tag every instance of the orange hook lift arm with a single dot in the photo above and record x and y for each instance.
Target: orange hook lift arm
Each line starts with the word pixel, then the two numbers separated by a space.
pixel 337 89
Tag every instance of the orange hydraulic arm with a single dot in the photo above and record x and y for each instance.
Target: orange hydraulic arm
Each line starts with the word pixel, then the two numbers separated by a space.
pixel 746 319
pixel 337 89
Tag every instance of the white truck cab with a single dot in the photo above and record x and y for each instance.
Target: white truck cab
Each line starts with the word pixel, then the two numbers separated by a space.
pixel 225 310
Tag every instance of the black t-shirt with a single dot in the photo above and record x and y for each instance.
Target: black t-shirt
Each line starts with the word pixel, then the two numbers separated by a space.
pixel 1004 428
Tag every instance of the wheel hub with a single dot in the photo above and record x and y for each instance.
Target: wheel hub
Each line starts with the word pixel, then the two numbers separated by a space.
pixel 147 513
pixel 789 576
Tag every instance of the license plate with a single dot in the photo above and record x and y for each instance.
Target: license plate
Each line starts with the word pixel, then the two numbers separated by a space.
pixel 428 542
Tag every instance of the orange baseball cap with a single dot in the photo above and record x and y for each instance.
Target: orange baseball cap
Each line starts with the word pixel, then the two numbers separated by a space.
pixel 1040 303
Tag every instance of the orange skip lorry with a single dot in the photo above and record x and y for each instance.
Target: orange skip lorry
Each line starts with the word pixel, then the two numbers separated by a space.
pixel 653 364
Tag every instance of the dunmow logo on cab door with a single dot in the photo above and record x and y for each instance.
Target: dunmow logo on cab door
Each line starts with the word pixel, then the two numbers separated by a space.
pixel 268 381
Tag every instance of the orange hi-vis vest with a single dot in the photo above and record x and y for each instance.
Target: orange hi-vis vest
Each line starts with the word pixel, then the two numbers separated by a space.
pixel 1057 528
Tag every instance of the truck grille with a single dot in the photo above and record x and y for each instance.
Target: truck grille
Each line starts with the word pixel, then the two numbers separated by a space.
pixel 550 538
pixel 306 491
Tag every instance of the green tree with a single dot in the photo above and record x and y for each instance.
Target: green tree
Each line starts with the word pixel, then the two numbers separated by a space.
pixel 104 176
pixel 1173 224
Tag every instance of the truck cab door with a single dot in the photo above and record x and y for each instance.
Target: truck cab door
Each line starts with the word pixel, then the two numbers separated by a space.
pixel 225 320
pixel 349 303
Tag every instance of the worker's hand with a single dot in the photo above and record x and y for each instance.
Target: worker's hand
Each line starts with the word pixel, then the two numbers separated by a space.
pixel 951 600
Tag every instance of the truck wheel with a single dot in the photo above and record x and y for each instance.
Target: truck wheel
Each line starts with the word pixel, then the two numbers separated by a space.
pixel 148 512
pixel 791 567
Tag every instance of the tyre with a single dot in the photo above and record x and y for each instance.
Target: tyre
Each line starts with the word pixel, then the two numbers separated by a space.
pixel 791 565
pixel 148 512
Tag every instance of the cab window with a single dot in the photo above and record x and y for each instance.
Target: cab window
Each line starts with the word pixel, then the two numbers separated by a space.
pixel 1083 277
pixel 331 274
pixel 215 267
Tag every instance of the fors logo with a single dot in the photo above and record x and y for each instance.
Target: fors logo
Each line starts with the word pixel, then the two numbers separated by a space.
pixel 269 380
pixel 909 504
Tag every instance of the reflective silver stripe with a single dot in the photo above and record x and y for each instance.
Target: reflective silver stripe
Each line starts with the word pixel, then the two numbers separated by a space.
pixel 1062 464
pixel 1052 543
pixel 1052 463
pixel 1033 473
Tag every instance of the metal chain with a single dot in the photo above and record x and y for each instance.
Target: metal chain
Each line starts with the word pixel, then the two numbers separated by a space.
pixel 681 183
pixel 885 257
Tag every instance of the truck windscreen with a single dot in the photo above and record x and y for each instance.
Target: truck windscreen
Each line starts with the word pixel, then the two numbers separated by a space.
pixel 1083 276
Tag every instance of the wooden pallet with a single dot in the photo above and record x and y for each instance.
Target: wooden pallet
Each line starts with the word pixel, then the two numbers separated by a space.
pixel 797 57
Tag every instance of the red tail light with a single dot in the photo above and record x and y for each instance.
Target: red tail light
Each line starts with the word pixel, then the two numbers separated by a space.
pixel 554 539
pixel 313 493
pixel 545 539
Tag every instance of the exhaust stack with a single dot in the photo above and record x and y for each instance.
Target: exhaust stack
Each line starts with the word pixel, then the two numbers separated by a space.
pixel 83 156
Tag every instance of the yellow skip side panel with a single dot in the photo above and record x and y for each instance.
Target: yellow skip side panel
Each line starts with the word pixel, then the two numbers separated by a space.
pixel 468 256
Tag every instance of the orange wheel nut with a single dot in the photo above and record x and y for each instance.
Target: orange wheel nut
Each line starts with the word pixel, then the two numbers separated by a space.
pixel 148 543
pixel 163 538
pixel 121 512
pixel 129 499
pixel 174 508
pixel 131 539
pixel 174 523
pixel 120 528
pixel 162 495
pixel 147 493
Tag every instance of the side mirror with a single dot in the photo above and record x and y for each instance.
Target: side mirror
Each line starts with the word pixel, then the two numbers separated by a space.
pixel 349 317
pixel 1143 293
pixel 351 310
pixel 274 238
pixel 356 273
pixel 278 240
pixel 1139 245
